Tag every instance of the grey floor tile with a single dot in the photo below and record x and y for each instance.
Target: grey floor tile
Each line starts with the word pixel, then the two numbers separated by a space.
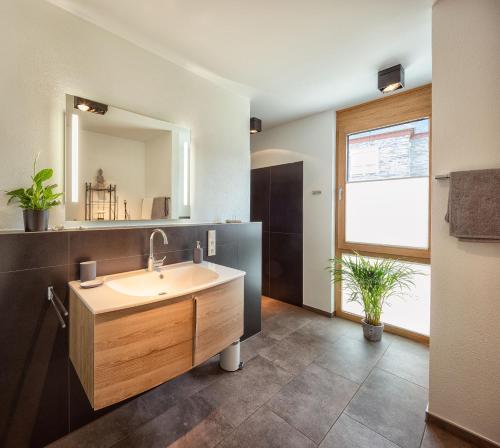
pixel 330 329
pixel 192 415
pixel 312 401
pixel 295 352
pixel 191 382
pixel 264 429
pixel 352 358
pixel 274 329
pixel 392 407
pixel 271 307
pixel 206 434
pixel 407 359
pixel 241 393
pixel 117 424
pixel 300 372
pixel 435 437
pixel 251 347
pixel 348 433
pixel 285 323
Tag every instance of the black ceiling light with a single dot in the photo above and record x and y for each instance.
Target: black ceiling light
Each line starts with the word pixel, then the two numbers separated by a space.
pixel 255 125
pixel 86 105
pixel 392 78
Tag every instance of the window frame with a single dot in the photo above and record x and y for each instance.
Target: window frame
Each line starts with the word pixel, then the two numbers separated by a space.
pixel 411 105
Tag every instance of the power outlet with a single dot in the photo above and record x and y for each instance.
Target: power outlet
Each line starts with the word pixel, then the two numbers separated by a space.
pixel 211 243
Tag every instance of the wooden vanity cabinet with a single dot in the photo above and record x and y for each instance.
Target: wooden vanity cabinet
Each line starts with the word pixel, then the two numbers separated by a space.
pixel 122 353
pixel 119 354
pixel 218 319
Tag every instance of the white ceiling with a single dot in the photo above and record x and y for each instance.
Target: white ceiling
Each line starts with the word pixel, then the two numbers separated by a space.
pixel 291 57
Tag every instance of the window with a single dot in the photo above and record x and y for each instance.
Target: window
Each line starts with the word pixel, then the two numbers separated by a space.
pixel 387 189
pixel 410 310
pixel 383 153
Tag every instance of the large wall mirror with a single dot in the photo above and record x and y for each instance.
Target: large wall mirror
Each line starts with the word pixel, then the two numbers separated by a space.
pixel 124 166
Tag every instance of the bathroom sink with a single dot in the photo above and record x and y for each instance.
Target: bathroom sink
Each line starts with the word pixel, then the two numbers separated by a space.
pixel 139 329
pixel 136 288
pixel 168 279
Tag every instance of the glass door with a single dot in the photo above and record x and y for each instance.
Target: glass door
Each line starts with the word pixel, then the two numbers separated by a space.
pixel 383 201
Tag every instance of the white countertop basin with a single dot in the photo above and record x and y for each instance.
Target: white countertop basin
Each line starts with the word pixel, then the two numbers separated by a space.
pixel 136 288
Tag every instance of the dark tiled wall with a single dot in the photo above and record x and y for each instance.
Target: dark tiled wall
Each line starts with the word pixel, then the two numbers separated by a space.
pixel 277 201
pixel 41 399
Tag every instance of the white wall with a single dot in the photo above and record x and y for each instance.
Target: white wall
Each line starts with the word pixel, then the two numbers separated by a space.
pixel 465 305
pixel 46 53
pixel 159 165
pixel 122 161
pixel 310 140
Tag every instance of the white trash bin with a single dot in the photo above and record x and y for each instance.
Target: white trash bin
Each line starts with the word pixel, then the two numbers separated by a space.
pixel 229 358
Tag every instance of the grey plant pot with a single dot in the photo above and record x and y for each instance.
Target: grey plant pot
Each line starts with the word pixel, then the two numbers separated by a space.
pixel 372 332
pixel 35 220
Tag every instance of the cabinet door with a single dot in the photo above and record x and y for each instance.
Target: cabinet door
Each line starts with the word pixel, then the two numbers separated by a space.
pixel 136 350
pixel 219 319
pixel 259 196
pixel 286 198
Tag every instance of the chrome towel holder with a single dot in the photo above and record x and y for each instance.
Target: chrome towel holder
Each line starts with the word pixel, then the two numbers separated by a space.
pixel 442 176
pixel 58 305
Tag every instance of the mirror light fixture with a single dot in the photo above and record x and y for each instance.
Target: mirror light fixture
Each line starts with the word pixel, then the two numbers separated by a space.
pixel 255 125
pixel 86 105
pixel 185 187
pixel 392 78
pixel 74 157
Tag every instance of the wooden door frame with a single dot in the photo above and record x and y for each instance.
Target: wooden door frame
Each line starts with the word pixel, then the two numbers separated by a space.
pixel 407 106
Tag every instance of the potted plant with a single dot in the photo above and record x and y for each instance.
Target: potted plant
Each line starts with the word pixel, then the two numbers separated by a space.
pixel 370 282
pixel 36 200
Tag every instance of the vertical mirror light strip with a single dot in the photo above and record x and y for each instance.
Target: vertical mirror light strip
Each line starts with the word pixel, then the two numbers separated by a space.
pixel 74 158
pixel 186 174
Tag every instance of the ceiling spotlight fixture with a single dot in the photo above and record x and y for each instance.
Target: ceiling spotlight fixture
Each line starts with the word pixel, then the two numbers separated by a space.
pixel 392 78
pixel 86 105
pixel 255 125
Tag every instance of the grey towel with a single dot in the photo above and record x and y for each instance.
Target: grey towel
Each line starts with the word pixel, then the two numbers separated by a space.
pixel 160 208
pixel 474 205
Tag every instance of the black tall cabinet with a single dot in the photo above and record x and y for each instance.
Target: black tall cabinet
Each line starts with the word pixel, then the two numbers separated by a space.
pixel 277 201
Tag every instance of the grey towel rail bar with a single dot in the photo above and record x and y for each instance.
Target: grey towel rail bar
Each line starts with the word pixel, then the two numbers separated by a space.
pixel 442 176
pixel 57 304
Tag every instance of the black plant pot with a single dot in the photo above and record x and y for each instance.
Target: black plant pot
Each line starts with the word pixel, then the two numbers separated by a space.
pixel 36 220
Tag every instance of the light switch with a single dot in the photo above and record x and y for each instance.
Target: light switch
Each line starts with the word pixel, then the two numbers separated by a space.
pixel 211 243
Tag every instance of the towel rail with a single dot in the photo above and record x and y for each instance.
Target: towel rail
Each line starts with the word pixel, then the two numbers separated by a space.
pixel 442 176
pixel 58 305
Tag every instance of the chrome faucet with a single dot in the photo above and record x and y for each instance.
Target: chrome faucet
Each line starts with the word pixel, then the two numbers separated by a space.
pixel 152 263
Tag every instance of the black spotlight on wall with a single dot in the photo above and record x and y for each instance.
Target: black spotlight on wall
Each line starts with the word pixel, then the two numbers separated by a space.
pixel 392 78
pixel 90 106
pixel 255 125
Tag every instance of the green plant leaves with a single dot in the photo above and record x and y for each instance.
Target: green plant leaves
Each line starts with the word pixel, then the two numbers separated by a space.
pixel 38 196
pixel 43 175
pixel 370 282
